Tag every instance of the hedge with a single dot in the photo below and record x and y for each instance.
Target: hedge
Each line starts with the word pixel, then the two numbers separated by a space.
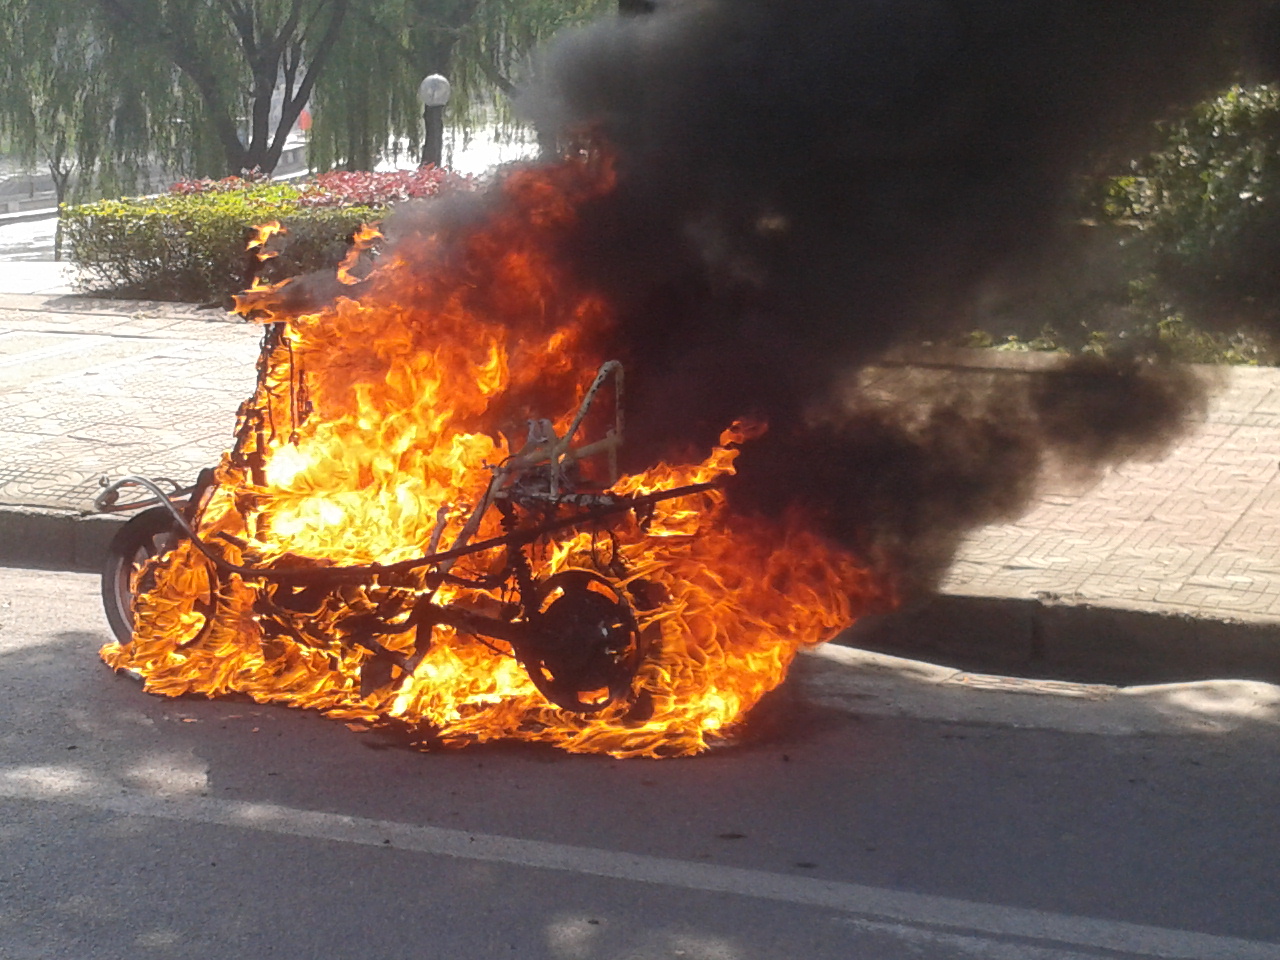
pixel 190 244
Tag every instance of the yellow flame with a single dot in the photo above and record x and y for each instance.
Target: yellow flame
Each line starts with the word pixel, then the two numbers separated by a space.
pixel 376 422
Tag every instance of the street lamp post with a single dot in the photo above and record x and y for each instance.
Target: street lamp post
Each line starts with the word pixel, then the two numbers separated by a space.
pixel 433 93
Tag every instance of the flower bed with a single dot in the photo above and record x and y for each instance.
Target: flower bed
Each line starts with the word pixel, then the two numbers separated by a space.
pixel 190 244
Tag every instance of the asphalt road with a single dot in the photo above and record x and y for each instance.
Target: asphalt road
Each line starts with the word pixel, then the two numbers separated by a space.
pixel 137 827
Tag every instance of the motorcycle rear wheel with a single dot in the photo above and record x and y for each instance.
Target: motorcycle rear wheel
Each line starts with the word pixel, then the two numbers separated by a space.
pixel 143 538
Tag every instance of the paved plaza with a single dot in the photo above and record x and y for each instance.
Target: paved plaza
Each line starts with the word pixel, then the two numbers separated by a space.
pixel 1197 531
pixel 92 389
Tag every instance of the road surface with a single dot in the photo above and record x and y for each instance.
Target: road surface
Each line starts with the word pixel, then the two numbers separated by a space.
pixel 132 826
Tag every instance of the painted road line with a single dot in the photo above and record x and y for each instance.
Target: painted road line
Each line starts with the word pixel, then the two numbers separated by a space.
pixel 917 911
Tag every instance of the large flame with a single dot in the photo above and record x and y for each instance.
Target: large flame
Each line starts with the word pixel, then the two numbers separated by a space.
pixel 369 441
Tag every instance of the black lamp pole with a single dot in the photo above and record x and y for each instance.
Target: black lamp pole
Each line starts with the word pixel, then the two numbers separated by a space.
pixel 433 138
pixel 433 93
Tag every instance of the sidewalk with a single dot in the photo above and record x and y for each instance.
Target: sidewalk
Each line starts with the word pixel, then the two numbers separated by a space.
pixel 1162 572
pixel 93 388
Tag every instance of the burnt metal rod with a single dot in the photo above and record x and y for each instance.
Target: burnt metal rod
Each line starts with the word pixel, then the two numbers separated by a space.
pixel 358 573
pixel 517 538
pixel 108 500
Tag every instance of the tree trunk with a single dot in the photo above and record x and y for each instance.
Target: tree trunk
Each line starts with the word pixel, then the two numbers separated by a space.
pixel 61 177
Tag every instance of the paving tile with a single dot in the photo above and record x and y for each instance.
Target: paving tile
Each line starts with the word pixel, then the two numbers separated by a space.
pixel 1268 501
pixel 41 483
pixel 12 442
pixel 1269 404
pixel 1103 587
pixel 1228 562
pixel 1163 560
pixel 1217 593
pixel 26 424
pixel 963 572
pixel 1216 429
pixel 1028 582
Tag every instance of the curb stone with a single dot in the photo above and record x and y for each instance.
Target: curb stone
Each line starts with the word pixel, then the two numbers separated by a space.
pixel 1083 643
pixel 1079 643
pixel 862 685
pixel 55 539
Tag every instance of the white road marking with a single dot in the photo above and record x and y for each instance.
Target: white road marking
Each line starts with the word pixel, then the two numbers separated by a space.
pixel 927 943
pixel 924 916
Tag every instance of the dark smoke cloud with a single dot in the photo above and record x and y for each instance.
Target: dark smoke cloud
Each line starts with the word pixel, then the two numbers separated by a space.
pixel 916 456
pixel 805 183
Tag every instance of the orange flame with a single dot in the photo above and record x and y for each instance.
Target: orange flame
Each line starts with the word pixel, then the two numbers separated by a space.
pixel 257 245
pixel 365 238
pixel 262 234
pixel 371 437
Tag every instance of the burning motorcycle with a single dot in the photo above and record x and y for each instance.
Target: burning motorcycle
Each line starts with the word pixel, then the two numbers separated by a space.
pixel 574 632
pixel 398 536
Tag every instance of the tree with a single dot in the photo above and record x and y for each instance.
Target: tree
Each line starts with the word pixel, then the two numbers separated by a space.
pixel 1205 208
pixel 482 46
pixel 213 87
pixel 189 83
pixel 280 42
pixel 56 108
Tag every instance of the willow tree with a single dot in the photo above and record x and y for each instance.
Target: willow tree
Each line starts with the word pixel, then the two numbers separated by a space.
pixel 213 87
pixel 186 83
pixel 232 57
pixel 62 109
pixel 484 47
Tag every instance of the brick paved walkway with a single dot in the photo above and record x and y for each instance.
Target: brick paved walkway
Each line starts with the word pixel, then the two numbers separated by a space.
pixel 1197 532
pixel 103 388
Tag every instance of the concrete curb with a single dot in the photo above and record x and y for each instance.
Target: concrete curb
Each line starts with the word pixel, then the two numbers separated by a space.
pixel 1007 636
pixel 95 303
pixel 1082 643
pixel 27 216
pixel 55 539
pixel 863 684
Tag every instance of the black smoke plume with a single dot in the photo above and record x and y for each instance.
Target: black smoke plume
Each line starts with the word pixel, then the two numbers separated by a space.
pixel 804 184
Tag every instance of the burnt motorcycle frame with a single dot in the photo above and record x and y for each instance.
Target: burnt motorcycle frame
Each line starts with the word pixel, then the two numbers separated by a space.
pixel 574 632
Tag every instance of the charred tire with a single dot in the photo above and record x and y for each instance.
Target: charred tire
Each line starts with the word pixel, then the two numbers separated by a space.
pixel 145 537
pixel 585 640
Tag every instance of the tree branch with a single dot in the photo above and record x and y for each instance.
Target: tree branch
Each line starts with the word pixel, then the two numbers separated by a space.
pixel 285 34
pixel 292 107
pixel 241 18
pixel 176 45
pixel 495 75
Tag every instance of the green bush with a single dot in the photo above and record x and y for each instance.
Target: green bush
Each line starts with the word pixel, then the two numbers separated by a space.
pixel 1206 210
pixel 191 246
pixel 1179 256
pixel 1170 337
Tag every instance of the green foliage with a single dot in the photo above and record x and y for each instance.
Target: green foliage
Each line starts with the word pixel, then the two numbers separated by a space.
pixel 89 89
pixel 1179 256
pixel 214 87
pixel 484 47
pixel 1172 338
pixel 1190 344
pixel 1047 341
pixel 1205 210
pixel 192 246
